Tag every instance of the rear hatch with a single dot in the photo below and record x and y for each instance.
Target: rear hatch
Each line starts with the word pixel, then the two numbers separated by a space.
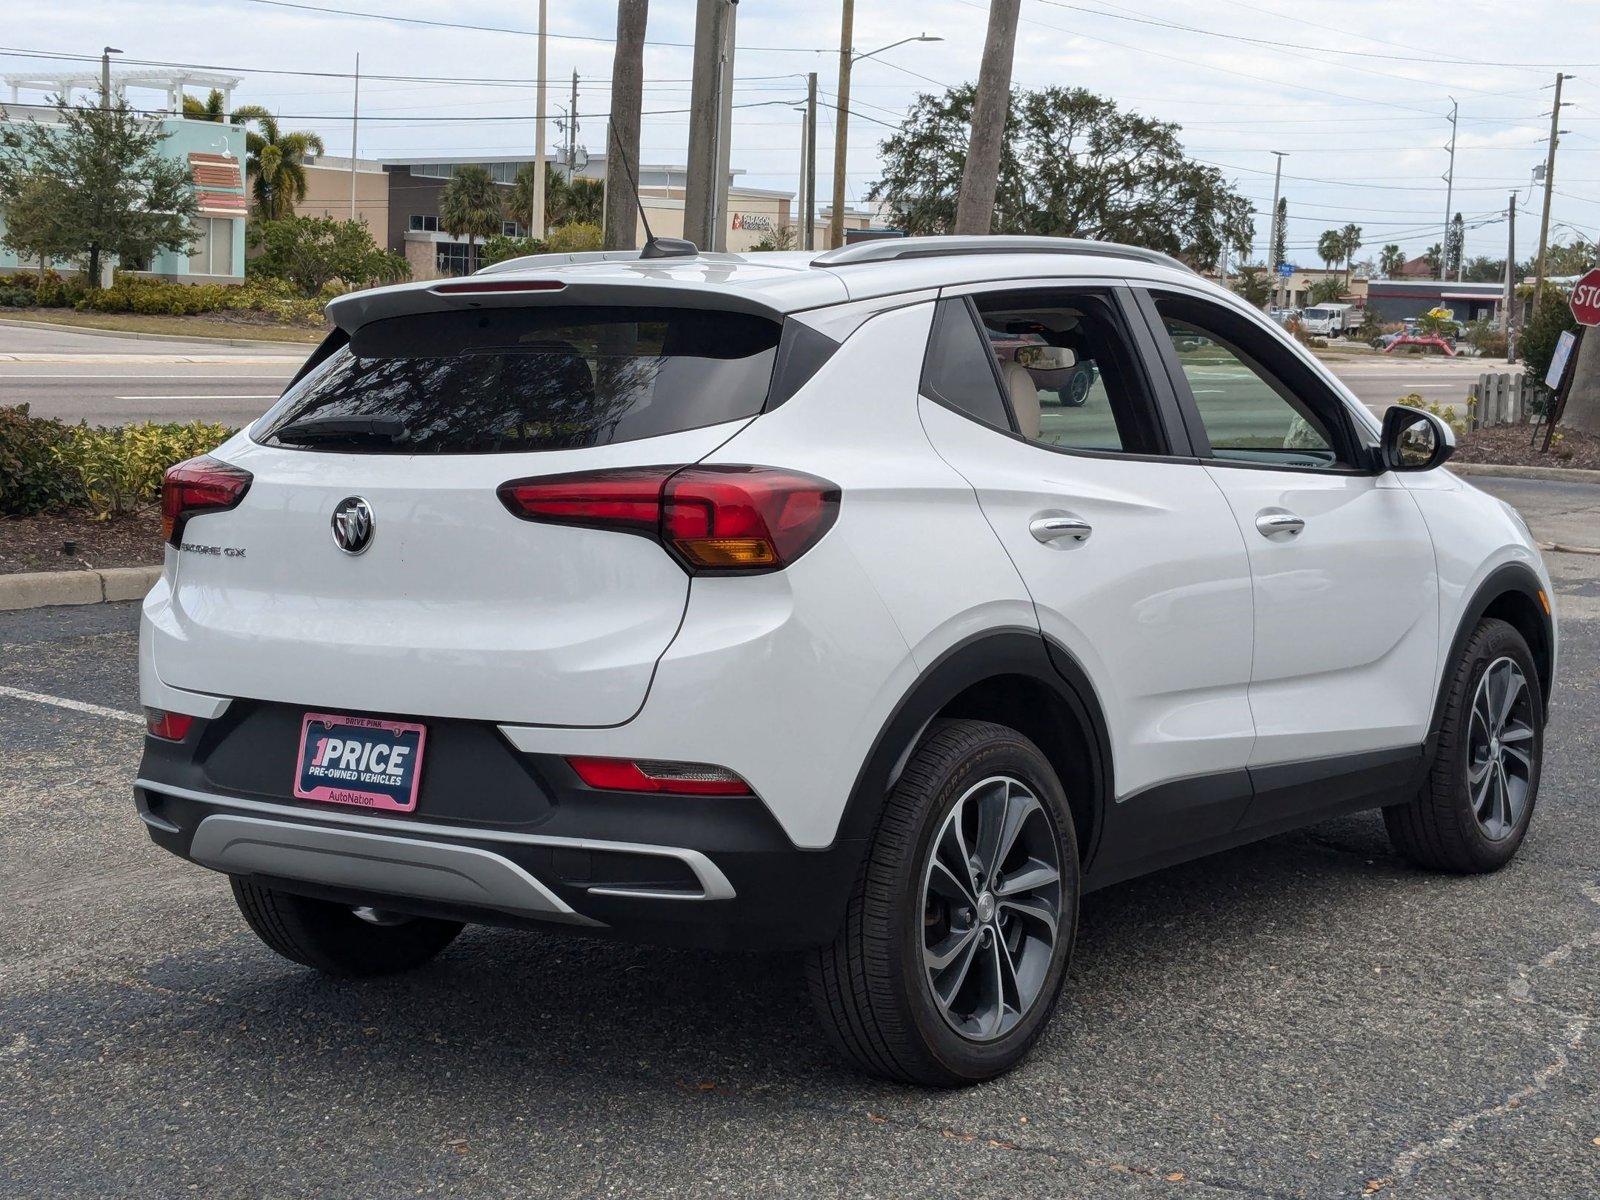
pixel 453 606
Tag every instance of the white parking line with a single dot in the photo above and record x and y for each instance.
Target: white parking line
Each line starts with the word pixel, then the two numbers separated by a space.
pixel 229 396
pixel 96 710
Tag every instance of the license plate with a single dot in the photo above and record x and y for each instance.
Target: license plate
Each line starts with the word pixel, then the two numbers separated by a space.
pixel 360 761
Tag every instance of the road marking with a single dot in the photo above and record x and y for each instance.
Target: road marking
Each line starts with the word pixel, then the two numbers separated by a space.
pixel 96 710
pixel 189 378
pixel 229 396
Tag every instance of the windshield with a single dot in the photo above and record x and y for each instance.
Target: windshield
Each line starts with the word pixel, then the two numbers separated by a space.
pixel 504 380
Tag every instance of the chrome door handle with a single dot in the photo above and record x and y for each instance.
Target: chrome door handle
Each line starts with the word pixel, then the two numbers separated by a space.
pixel 1273 521
pixel 1053 529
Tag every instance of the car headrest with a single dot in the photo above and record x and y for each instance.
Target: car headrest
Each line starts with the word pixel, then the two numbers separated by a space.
pixel 1024 395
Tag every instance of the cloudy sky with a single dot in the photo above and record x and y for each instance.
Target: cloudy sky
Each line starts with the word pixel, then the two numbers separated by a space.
pixel 1357 92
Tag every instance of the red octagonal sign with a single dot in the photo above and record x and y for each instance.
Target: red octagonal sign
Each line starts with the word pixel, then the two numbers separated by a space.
pixel 1586 299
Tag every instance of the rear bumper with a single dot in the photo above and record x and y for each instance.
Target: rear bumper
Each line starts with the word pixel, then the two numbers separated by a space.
pixel 499 838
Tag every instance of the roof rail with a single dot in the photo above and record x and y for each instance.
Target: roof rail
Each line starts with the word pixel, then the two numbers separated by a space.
pixel 556 260
pixel 892 249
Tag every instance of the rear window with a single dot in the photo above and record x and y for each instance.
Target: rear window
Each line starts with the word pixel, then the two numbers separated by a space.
pixel 505 380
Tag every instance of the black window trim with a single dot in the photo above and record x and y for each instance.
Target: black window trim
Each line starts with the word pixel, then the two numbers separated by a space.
pixel 1359 448
pixel 1143 350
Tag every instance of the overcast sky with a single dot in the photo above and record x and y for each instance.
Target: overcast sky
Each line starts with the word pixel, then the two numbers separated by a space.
pixel 1357 91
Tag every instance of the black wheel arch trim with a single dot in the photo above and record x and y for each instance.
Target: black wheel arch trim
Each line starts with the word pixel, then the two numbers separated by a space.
pixel 1511 577
pixel 1015 650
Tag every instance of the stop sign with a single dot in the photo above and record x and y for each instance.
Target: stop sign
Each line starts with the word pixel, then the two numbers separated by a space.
pixel 1586 299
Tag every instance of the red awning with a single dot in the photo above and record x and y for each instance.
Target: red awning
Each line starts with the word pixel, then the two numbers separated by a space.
pixel 221 204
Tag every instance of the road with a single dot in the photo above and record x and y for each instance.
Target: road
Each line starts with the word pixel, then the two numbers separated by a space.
pixel 113 381
pixel 1306 1017
pixel 104 380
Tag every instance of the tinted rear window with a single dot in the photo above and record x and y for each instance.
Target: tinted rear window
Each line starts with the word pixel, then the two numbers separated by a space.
pixel 519 379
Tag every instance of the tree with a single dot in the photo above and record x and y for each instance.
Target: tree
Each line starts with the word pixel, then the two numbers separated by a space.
pixel 1326 290
pixel 110 188
pixel 1254 283
pixel 471 208
pixel 1330 247
pixel 499 247
pixel 1572 259
pixel 622 130
pixel 312 252
pixel 1071 164
pixel 1350 242
pixel 1433 257
pixel 1391 260
pixel 275 161
pixel 566 202
pixel 1454 244
pixel 212 108
pixel 782 237
pixel 1280 236
pixel 1479 269
pixel 33 224
pixel 991 108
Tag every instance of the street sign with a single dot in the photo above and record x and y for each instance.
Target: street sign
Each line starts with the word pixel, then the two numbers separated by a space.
pixel 1586 298
pixel 1286 269
pixel 1558 360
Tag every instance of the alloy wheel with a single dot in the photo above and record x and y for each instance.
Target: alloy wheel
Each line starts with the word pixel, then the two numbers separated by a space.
pixel 991 908
pixel 1500 749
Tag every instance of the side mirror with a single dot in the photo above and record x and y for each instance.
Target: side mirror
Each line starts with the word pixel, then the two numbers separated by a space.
pixel 1414 440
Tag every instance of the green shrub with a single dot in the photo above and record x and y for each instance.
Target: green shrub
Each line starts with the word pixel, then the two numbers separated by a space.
pixel 117 469
pixel 578 235
pixel 499 247
pixel 31 477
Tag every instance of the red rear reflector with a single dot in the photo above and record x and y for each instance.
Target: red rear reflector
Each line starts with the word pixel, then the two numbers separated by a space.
pixel 199 485
pixel 480 286
pixel 650 775
pixel 168 726
pixel 714 519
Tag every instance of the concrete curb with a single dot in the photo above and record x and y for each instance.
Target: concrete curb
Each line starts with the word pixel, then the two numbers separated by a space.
pixel 136 336
pixel 36 589
pixel 1552 474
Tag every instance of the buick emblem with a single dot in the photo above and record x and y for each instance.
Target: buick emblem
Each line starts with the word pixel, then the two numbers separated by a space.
pixel 352 525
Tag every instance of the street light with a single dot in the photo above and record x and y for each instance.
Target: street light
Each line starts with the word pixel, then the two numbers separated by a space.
pixel 105 75
pixel 847 58
pixel 921 37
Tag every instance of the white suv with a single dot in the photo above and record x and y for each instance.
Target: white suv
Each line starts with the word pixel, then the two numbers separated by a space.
pixel 877 603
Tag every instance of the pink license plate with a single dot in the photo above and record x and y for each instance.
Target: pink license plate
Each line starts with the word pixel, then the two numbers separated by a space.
pixel 360 761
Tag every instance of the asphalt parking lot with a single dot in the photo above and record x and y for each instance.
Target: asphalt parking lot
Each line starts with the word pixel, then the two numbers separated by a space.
pixel 1306 1017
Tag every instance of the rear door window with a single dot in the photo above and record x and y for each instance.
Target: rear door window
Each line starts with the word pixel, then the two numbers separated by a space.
pixel 511 380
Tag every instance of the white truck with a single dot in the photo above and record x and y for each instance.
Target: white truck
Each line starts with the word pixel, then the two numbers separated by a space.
pixel 1330 320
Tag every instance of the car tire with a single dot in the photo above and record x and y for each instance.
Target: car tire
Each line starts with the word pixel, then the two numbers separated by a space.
pixel 335 940
pixel 1473 809
pixel 874 987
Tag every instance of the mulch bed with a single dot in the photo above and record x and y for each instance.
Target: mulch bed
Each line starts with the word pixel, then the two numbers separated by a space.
pixel 1507 445
pixel 38 543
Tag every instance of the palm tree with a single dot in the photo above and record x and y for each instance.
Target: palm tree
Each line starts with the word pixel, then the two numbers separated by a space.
pixel 566 202
pixel 1391 260
pixel 1350 242
pixel 275 161
pixel 209 109
pixel 471 207
pixel 1330 247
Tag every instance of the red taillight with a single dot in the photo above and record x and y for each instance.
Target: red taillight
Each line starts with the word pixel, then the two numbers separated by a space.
pixel 649 775
pixel 715 519
pixel 168 726
pixel 203 484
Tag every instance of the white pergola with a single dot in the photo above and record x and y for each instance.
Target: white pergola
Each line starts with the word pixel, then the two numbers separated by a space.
pixel 173 82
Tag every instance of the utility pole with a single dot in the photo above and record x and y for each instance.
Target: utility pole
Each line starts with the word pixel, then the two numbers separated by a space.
pixel 705 113
pixel 721 219
pixel 1511 279
pixel 1449 194
pixel 622 142
pixel 105 76
pixel 1549 186
pixel 1272 234
pixel 355 136
pixel 808 197
pixel 980 174
pixel 536 217
pixel 841 127
pixel 572 131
